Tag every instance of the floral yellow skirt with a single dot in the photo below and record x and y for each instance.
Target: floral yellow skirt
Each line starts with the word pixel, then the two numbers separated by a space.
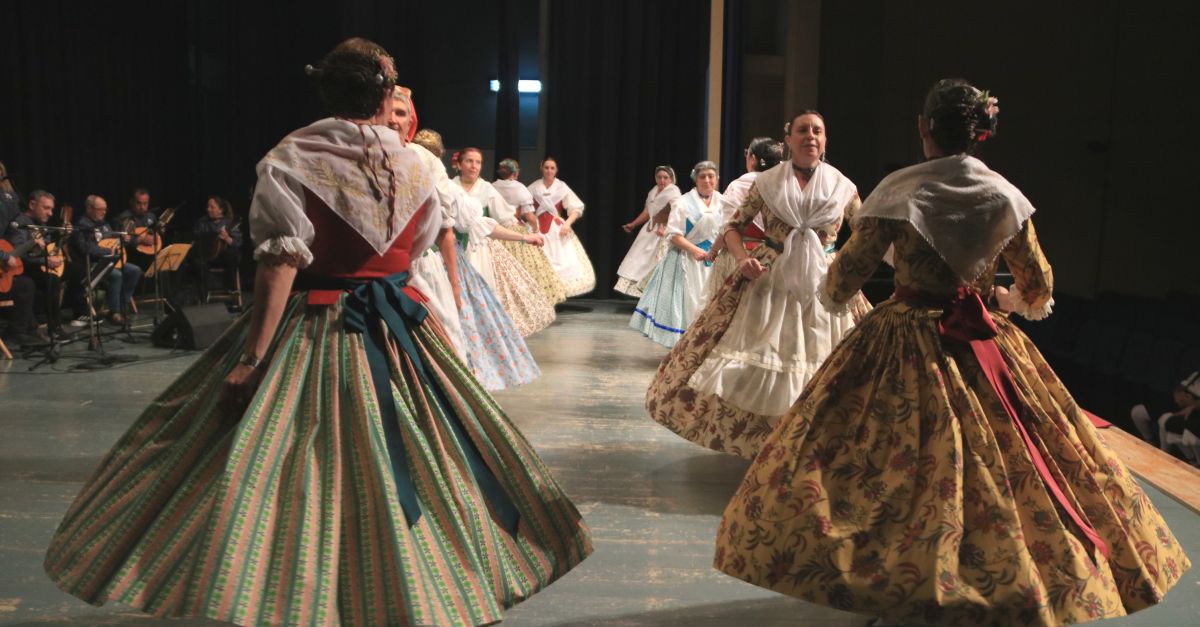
pixel 898 486
pixel 538 266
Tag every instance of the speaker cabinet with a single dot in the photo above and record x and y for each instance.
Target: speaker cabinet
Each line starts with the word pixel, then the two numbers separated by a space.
pixel 192 327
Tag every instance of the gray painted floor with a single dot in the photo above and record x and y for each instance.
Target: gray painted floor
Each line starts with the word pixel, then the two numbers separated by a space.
pixel 651 498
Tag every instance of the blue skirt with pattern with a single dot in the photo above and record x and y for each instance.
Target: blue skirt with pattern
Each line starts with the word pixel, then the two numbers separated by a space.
pixel 496 352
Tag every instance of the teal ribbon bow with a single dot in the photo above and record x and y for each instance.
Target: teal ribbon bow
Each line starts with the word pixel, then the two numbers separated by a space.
pixel 367 303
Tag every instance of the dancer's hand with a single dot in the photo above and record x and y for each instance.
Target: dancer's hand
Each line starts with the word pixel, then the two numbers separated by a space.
pixel 1004 298
pixel 458 301
pixel 534 239
pixel 712 255
pixel 660 231
pixel 628 228
pixel 565 228
pixel 238 390
pixel 700 255
pixel 11 262
pixel 751 268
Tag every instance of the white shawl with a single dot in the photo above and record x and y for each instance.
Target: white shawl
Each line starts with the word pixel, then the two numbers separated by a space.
pixel 548 197
pixel 347 167
pixel 963 209
pixel 516 195
pixel 803 261
pixel 470 219
pixel 657 199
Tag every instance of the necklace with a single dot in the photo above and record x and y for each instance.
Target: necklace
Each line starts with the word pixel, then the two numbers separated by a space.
pixel 807 172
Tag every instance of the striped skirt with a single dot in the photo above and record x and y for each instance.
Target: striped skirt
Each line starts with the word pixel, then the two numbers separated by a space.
pixel 290 513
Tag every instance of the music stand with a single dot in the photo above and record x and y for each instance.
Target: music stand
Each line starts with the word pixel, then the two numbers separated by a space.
pixel 169 259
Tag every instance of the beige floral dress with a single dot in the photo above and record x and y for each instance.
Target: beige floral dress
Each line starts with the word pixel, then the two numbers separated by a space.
pixel 898 486
pixel 708 419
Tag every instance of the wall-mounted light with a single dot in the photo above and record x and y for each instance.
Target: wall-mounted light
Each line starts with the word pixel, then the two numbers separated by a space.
pixel 524 86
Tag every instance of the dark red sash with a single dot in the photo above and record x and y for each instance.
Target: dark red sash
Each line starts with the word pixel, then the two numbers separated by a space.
pixel 545 220
pixel 966 320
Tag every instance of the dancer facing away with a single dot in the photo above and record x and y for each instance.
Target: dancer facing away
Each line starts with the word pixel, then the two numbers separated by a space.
pixel 763 335
pixel 353 471
pixel 643 255
pixel 762 154
pixel 675 292
pixel 520 210
pixel 936 471
pixel 563 247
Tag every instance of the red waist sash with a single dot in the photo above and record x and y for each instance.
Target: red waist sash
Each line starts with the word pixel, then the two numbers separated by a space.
pixel 545 219
pixel 965 320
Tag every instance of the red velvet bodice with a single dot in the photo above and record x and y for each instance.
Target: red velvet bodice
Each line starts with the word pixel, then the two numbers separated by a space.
pixel 339 251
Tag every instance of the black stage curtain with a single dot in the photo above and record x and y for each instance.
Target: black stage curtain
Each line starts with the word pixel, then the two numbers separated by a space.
pixel 733 53
pixel 508 103
pixel 183 97
pixel 625 91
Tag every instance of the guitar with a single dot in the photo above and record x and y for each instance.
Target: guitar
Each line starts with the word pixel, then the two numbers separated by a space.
pixel 155 244
pixel 115 247
pixel 52 249
pixel 219 244
pixel 7 273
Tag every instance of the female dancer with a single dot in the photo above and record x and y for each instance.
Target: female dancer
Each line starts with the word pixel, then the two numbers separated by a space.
pixel 563 247
pixel 518 292
pixel 936 470
pixel 762 154
pixel 761 338
pixel 435 271
pixel 495 348
pixel 639 262
pixel 353 471
pixel 520 205
pixel 675 291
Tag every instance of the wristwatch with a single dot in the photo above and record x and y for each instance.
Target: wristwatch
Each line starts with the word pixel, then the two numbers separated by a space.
pixel 250 360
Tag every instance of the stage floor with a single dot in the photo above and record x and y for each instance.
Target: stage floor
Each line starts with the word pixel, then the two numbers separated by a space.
pixel 651 498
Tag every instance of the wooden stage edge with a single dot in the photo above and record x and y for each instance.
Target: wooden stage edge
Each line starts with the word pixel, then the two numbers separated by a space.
pixel 1174 477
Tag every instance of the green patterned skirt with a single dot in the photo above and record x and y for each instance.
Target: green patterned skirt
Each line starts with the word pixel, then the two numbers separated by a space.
pixel 293 514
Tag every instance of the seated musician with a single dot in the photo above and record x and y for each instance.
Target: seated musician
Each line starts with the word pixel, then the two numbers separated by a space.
pixel 22 327
pixel 138 218
pixel 10 200
pixel 42 265
pixel 218 240
pixel 94 238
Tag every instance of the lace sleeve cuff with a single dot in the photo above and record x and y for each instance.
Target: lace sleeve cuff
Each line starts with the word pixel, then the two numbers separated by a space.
pixel 285 248
pixel 827 301
pixel 1022 308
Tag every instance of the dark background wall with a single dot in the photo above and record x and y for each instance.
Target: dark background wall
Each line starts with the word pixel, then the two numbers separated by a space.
pixel 186 97
pixel 1097 126
pixel 1096 119
pixel 626 92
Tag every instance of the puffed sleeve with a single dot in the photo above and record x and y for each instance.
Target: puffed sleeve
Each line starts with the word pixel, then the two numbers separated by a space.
pixel 677 221
pixel 735 194
pixel 571 202
pixel 278 225
pixel 1033 285
pixel 430 222
pixel 855 263
pixel 746 211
